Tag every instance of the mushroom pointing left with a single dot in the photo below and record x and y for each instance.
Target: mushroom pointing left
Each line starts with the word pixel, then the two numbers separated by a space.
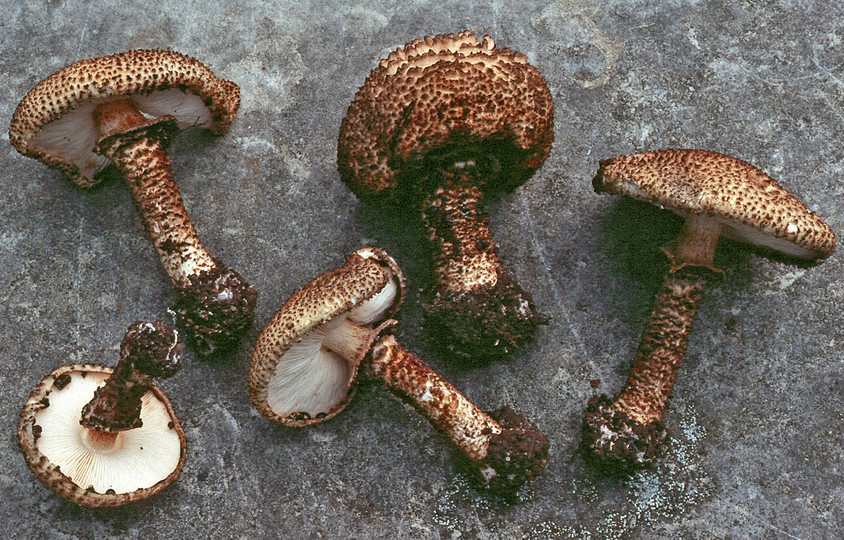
pixel 307 359
pixel 103 437
pixel 124 109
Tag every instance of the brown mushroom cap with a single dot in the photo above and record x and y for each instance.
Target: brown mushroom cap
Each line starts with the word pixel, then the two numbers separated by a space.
pixel 447 95
pixel 752 207
pixel 54 123
pixel 298 324
pixel 58 450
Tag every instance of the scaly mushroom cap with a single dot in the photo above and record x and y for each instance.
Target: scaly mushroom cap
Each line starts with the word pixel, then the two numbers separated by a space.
pixel 753 207
pixel 60 452
pixel 292 380
pixel 54 123
pixel 450 96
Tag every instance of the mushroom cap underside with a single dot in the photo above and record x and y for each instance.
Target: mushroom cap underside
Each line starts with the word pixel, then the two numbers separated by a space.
pixel 293 380
pixel 752 206
pixel 451 98
pixel 58 449
pixel 54 122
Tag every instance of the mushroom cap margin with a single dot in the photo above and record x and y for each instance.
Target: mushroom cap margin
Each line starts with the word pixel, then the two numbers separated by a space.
pixel 751 204
pixel 443 91
pixel 139 72
pixel 51 475
pixel 366 272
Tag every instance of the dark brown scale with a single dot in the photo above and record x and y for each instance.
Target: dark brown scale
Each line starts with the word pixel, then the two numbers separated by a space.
pixel 62 381
pixel 148 350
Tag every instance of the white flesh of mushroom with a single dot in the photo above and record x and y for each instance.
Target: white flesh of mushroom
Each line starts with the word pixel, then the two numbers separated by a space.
pixel 73 136
pixel 139 458
pixel 314 374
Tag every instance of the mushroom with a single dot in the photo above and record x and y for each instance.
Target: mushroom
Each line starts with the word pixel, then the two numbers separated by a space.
pixel 306 362
pixel 716 194
pixel 103 437
pixel 436 126
pixel 124 109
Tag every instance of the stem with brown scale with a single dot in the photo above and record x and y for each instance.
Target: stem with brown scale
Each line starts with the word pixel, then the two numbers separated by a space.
pixel 622 435
pixel 463 423
pixel 216 305
pixel 661 349
pixel 628 433
pixel 138 149
pixel 475 301
pixel 148 350
pixel 505 449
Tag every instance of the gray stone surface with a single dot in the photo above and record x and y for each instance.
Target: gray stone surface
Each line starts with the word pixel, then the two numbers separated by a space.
pixel 757 410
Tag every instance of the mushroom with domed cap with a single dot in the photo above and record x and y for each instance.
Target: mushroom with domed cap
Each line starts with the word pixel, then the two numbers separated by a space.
pixel 307 358
pixel 103 437
pixel 436 126
pixel 717 195
pixel 124 109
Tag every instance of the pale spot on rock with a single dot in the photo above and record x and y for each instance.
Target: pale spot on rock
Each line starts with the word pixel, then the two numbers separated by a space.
pixel 267 77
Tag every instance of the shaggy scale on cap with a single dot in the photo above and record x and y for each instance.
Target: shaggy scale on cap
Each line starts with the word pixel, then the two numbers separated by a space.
pixel 142 74
pixel 744 198
pixel 366 272
pixel 438 94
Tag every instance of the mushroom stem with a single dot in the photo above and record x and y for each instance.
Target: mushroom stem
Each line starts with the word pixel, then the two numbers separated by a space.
pixel 695 245
pixel 458 227
pixel 349 340
pixel 149 349
pixel 215 305
pixel 666 336
pixel 100 441
pixel 467 426
pixel 661 349
pixel 137 147
pixel 628 433
pixel 505 449
pixel 475 299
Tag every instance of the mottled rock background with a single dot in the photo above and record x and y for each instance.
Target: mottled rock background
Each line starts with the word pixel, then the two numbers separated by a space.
pixel 757 410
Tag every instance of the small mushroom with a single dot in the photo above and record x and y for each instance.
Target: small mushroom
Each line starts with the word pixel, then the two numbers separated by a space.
pixel 435 127
pixel 103 437
pixel 716 194
pixel 124 109
pixel 306 361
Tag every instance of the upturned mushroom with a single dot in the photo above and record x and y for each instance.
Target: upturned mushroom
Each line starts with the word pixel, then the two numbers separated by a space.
pixel 436 126
pixel 103 437
pixel 124 109
pixel 306 362
pixel 717 195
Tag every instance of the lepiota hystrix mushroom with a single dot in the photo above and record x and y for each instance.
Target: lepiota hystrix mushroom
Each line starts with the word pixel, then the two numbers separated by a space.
pixel 437 125
pixel 102 437
pixel 306 362
pixel 716 194
pixel 124 109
